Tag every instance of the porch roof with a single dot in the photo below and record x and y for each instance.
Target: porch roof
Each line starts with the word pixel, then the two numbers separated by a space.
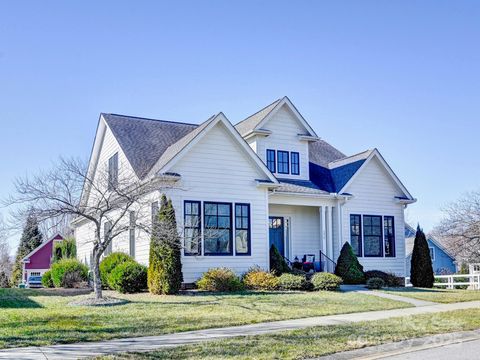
pixel 299 186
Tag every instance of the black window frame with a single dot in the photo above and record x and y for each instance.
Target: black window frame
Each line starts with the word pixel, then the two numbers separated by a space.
pixel 230 232
pixel 359 235
pixel 295 165
pixel 385 234
pixel 198 227
pixel 131 233
pixel 242 228
pixel 380 236
pixel 270 162
pixel 281 165
pixel 113 171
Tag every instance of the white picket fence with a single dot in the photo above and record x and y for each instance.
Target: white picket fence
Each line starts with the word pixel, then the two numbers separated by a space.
pixel 453 281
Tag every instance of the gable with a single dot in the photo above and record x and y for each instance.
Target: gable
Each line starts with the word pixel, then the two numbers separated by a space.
pixel 284 122
pixel 218 155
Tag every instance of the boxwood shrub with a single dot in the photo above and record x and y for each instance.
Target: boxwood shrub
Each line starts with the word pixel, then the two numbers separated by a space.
pixel 389 279
pixel 47 280
pixel 68 273
pixel 128 277
pixel 258 279
pixel 375 283
pixel 326 281
pixel 219 279
pixel 109 263
pixel 293 282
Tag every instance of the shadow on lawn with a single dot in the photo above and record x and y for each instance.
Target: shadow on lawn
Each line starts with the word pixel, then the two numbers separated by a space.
pixel 418 290
pixel 17 299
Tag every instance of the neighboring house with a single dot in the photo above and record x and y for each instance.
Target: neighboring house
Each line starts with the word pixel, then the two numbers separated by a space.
pixel 443 262
pixel 40 259
pixel 270 179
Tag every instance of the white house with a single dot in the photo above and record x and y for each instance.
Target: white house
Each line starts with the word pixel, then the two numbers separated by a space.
pixel 270 179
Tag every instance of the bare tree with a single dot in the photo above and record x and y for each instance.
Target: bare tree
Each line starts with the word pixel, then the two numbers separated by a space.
pixel 5 258
pixel 459 230
pixel 72 190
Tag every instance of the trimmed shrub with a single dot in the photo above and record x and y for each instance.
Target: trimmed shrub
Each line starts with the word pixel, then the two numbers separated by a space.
pixel 375 283
pixel 278 265
pixel 65 249
pixel 165 266
pixel 109 263
pixel 348 267
pixel 128 277
pixel 47 280
pixel 293 282
pixel 390 280
pixel 326 281
pixel 258 279
pixel 421 272
pixel 68 273
pixel 219 279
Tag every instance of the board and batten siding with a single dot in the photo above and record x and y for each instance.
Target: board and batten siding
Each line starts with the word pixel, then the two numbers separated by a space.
pixel 218 169
pixel 374 193
pixel 285 129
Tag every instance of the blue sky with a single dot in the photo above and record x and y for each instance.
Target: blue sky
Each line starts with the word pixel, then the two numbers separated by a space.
pixel 400 76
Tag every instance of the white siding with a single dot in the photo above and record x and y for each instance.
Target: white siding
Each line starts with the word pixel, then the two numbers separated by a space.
pixel 374 194
pixel 285 129
pixel 217 169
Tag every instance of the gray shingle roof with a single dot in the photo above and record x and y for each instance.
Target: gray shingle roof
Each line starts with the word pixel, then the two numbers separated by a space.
pixel 299 186
pixel 143 140
pixel 251 122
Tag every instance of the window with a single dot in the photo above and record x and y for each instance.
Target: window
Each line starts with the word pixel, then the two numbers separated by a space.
pixel 271 160
pixel 432 253
pixel 35 273
pixel 372 236
pixel 282 162
pixel 356 234
pixel 295 163
pixel 389 236
pixel 192 225
pixel 218 228
pixel 113 172
pixel 242 229
pixel 155 209
pixel 107 236
pixel 131 233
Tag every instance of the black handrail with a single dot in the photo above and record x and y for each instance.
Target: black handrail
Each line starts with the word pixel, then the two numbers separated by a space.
pixel 326 264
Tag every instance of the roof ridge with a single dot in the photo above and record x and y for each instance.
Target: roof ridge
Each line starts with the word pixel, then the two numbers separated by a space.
pixel 248 117
pixel 151 119
pixel 351 156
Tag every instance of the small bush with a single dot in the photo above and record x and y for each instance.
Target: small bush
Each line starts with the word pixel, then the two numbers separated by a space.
pixel 109 263
pixel 4 281
pixel 390 280
pixel 47 280
pixel 128 277
pixel 326 281
pixel 258 279
pixel 68 273
pixel 293 282
pixel 375 283
pixel 219 279
pixel 278 265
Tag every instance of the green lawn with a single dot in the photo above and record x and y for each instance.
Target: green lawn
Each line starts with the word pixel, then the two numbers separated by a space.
pixel 319 341
pixel 36 317
pixel 437 295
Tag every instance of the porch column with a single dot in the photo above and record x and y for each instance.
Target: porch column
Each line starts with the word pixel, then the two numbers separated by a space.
pixel 339 227
pixel 329 231
pixel 323 239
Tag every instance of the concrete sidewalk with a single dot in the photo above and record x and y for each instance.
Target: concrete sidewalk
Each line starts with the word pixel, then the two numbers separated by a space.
pixel 149 343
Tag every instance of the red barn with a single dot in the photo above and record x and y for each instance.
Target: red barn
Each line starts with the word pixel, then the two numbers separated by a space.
pixel 40 259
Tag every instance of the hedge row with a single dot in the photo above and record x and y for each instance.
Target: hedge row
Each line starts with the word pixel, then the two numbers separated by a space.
pixel 224 280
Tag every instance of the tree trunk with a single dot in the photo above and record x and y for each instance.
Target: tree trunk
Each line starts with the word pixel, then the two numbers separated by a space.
pixel 97 282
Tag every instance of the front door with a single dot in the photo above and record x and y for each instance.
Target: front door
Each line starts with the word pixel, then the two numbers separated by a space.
pixel 276 233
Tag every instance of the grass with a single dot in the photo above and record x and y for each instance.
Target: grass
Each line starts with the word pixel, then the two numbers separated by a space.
pixel 437 295
pixel 318 341
pixel 37 317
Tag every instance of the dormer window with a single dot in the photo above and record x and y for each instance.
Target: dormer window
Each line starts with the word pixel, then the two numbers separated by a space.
pixel 113 172
pixel 295 160
pixel 282 162
pixel 271 160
